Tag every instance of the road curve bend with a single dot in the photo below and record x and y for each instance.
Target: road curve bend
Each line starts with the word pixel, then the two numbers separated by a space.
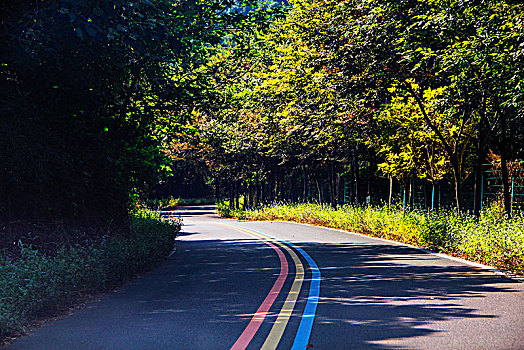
pixel 277 285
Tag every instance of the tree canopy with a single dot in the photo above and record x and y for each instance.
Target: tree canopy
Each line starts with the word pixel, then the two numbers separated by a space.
pixel 314 100
pixel 92 91
pixel 413 89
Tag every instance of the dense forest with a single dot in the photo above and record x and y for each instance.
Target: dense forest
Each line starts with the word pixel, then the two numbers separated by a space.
pixel 104 103
pixel 92 94
pixel 410 112
pixel 362 101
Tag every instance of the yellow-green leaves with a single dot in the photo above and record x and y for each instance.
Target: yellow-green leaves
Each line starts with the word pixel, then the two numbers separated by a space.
pixel 408 145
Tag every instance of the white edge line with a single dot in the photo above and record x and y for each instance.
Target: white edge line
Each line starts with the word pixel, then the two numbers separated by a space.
pixel 440 255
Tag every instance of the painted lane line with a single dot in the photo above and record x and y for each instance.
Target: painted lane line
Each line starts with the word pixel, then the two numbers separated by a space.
pixel 259 316
pixel 277 331
pixel 308 317
pixel 484 267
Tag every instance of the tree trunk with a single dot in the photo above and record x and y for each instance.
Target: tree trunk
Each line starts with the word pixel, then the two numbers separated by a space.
pixel 245 193
pixel 231 195
pixel 257 200
pixel 403 196
pixel 251 195
pixel 318 189
pixel 263 198
pixel 337 188
pixel 504 166
pixel 370 175
pixel 291 185
pixel 458 191
pixel 331 185
pixel 237 195
pixel 410 192
pixel 480 155
pixel 275 187
pixel 356 171
pixel 351 183
pixel 304 189
pixel 447 147
pixel 390 190
pixel 477 194
pixel 217 189
pixel 272 187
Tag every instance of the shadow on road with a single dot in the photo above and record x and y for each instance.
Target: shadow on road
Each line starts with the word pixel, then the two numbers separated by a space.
pixel 382 292
pixel 369 293
pixel 205 294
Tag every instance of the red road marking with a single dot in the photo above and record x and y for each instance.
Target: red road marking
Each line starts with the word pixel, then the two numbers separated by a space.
pixel 248 333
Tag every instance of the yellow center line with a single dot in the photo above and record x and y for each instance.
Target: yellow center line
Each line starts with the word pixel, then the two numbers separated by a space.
pixel 277 331
pixel 285 313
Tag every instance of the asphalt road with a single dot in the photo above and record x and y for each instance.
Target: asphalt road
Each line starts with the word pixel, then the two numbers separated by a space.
pixel 255 284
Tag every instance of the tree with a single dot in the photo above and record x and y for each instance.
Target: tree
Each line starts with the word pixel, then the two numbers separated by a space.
pixel 91 93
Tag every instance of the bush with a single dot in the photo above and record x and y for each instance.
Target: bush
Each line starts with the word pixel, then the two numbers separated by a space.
pixel 491 239
pixel 158 204
pixel 34 283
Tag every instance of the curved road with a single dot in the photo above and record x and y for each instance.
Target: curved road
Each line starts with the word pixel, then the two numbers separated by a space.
pixel 232 285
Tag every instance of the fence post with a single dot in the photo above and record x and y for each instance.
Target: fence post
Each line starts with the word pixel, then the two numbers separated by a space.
pixel 433 196
pixel 512 191
pixel 345 189
pixel 439 193
pixel 402 188
pixel 414 192
pixel 481 190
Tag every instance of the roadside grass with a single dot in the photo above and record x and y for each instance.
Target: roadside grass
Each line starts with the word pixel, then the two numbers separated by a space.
pixel 492 239
pixel 34 284
pixel 158 204
pixel 196 201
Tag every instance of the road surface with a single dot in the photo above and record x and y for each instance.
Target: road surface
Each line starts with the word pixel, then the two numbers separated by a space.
pixel 266 285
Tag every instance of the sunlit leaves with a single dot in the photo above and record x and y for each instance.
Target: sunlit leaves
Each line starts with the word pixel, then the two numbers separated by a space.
pixel 409 147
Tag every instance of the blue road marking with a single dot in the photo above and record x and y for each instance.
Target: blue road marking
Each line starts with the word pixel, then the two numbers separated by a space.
pixel 308 317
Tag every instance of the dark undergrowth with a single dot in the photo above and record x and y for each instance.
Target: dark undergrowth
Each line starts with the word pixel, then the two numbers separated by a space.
pixel 36 284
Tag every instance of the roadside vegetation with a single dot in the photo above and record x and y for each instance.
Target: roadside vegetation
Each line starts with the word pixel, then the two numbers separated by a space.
pixel 158 204
pixel 35 284
pixel 362 101
pixel 105 104
pixel 491 238
pixel 95 97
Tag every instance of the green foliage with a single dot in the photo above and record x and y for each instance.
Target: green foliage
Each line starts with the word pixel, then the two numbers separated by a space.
pixel 196 201
pixel 429 86
pixel 158 204
pixel 225 209
pixel 408 146
pixel 492 238
pixel 93 92
pixel 34 283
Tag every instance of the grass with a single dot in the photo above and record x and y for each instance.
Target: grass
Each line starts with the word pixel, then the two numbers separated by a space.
pixel 158 204
pixel 492 239
pixel 34 284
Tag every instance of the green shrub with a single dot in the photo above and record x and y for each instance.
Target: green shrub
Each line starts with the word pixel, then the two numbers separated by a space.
pixel 34 284
pixel 196 201
pixel 492 238
pixel 157 204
